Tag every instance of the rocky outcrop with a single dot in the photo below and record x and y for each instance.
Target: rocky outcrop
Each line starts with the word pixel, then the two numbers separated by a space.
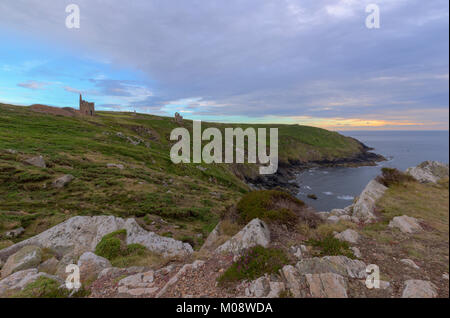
pixel 91 265
pixel 324 277
pixel 37 161
pixel 82 233
pixel 363 209
pixel 19 280
pixel 429 171
pixel 406 224
pixel 62 181
pixel 166 246
pixel 263 287
pixel 415 288
pixel 25 258
pixel 341 265
pixel 137 285
pixel 326 285
pixel 254 233
pixel 349 235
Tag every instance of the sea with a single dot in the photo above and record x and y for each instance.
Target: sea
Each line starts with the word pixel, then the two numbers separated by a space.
pixel 336 187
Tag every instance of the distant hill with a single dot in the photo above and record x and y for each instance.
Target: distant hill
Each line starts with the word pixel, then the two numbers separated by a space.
pixel 188 197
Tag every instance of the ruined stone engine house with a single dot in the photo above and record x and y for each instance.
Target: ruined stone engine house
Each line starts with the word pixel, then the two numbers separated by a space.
pixel 86 108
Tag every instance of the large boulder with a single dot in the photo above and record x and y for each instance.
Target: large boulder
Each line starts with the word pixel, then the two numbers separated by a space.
pixel 91 265
pixel 326 285
pixel 406 224
pixel 19 280
pixel 82 234
pixel 254 233
pixel 415 288
pixel 25 258
pixel 349 235
pixel 295 282
pixel 62 181
pixel 364 207
pixel 429 171
pixel 37 161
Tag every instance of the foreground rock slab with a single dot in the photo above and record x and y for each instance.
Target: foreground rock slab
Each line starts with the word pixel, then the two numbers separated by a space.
pixel 82 233
pixel 254 233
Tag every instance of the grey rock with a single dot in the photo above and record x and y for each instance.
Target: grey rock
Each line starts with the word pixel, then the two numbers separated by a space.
pixel 115 165
pixel 348 235
pixel 91 265
pixel 415 288
pixel 341 265
pixel 256 232
pixel 364 207
pixel 25 258
pixel 410 263
pixel 406 224
pixel 15 233
pixel 37 161
pixel 62 181
pixel 19 280
pixel 333 219
pixel 49 266
pixel 295 282
pixel 356 251
pixel 82 234
pixel 429 171
pixel 326 285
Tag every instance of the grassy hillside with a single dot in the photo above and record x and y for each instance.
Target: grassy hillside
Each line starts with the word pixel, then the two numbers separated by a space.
pixel 184 201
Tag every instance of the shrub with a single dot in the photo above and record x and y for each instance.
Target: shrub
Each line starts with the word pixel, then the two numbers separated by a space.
pixel 254 263
pixel 112 245
pixel 392 176
pixel 330 246
pixel 274 206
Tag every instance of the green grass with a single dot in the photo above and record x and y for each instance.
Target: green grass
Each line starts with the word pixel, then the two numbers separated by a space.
pixel 43 287
pixel 114 248
pixel 83 146
pixel 254 263
pixel 330 246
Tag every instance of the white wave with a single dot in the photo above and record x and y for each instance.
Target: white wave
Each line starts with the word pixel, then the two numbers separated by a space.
pixel 345 197
pixel 328 193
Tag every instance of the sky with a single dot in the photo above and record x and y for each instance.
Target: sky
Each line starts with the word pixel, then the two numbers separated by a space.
pixel 309 62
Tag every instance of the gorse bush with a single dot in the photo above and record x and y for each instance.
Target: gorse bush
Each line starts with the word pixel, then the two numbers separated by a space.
pixel 114 248
pixel 112 245
pixel 392 176
pixel 254 263
pixel 274 206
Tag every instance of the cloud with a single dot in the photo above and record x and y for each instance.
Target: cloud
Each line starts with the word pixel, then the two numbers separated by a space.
pixel 33 85
pixel 257 58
